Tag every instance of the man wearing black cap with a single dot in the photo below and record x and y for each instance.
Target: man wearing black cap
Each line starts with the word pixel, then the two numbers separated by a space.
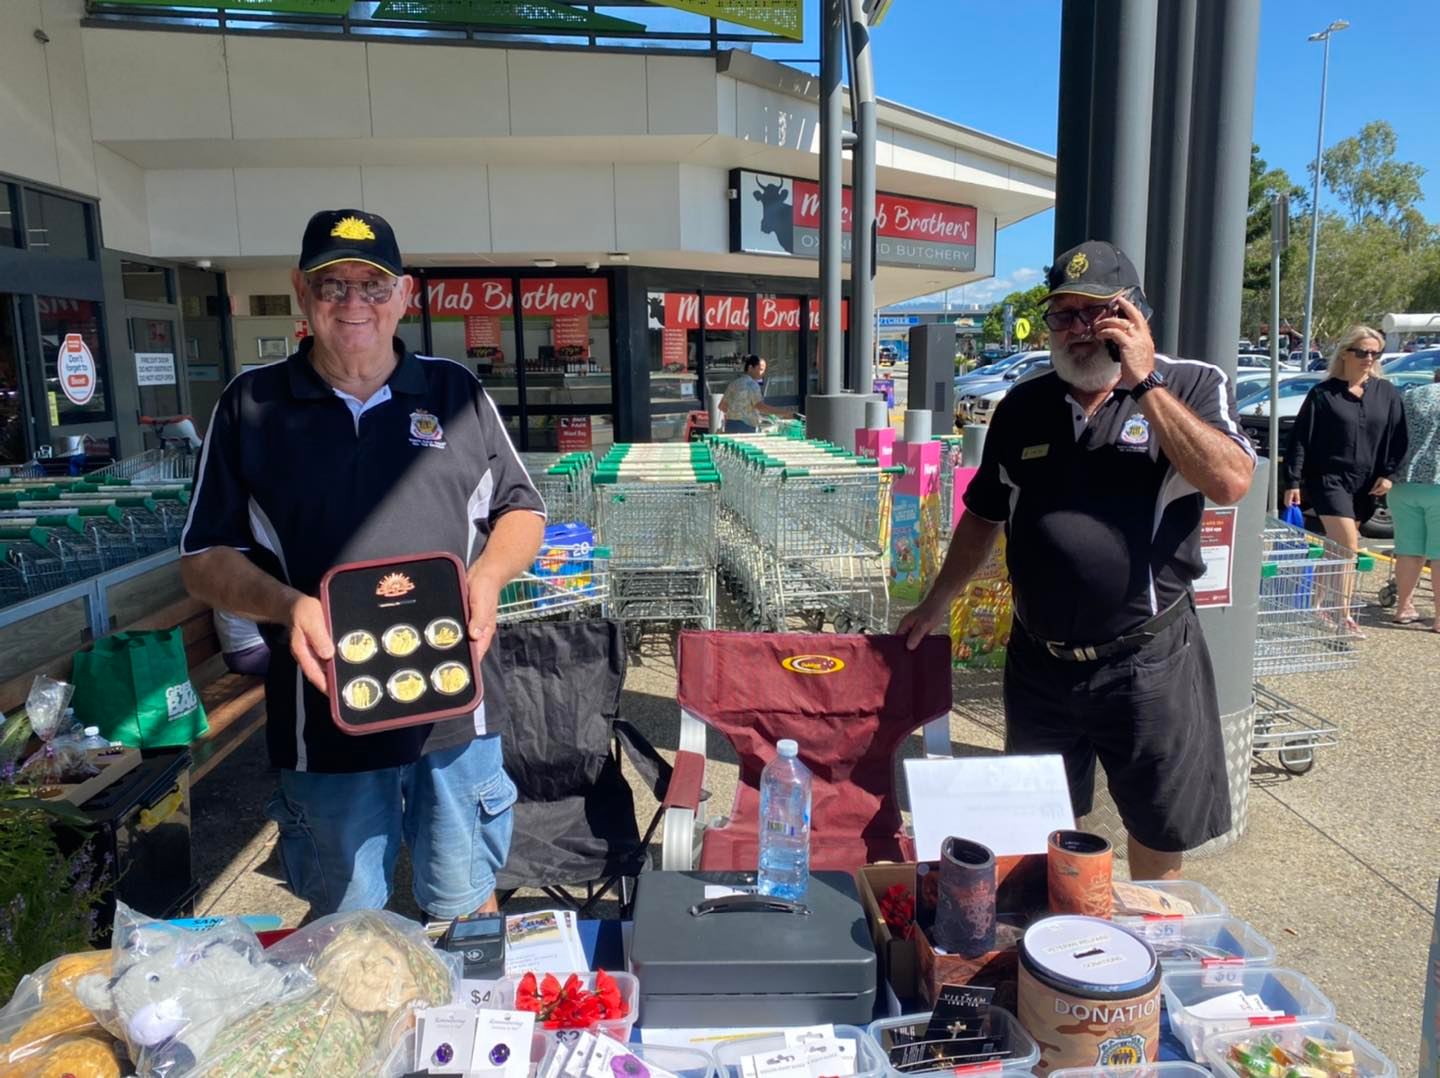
pixel 1098 472
pixel 356 449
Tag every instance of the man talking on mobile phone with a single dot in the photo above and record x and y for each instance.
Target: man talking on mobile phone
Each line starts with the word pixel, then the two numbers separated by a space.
pixel 1099 471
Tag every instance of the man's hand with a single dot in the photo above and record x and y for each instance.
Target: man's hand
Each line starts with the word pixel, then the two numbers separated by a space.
pixel 310 641
pixel 919 623
pixel 1292 496
pixel 1130 333
pixel 1382 486
pixel 484 602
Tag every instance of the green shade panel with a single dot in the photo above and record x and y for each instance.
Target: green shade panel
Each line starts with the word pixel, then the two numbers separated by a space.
pixel 785 18
pixel 266 7
pixel 510 14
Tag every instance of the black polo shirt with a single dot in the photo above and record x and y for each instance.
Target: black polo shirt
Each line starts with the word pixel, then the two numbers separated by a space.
pixel 302 478
pixel 1101 531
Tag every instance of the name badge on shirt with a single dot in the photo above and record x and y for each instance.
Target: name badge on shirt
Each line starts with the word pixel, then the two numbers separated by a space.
pixel 1035 452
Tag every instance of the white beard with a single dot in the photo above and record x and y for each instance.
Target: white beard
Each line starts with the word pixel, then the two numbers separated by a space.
pixel 1091 374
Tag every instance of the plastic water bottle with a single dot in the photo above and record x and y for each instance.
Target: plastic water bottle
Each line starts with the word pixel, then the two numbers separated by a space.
pixel 92 741
pixel 785 824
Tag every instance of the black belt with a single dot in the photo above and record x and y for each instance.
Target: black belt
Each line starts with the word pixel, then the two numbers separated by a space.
pixel 1136 638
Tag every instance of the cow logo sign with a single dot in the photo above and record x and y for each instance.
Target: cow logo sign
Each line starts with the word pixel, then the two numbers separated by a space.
pixel 75 369
pixel 813 664
pixel 777 212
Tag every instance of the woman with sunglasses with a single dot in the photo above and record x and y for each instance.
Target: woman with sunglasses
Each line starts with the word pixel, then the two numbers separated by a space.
pixel 1346 446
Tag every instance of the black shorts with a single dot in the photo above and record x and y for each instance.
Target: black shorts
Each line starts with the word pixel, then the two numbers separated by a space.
pixel 1332 497
pixel 1152 718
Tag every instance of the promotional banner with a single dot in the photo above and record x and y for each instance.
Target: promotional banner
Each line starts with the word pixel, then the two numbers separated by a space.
pixel 780 215
pixel 785 18
pixel 915 521
pixel 75 367
pixel 674 351
pixel 1217 549
pixel 482 331
pixel 571 332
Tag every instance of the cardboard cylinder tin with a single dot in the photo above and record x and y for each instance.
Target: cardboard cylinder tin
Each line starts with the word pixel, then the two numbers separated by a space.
pixel 1089 993
pixel 403 656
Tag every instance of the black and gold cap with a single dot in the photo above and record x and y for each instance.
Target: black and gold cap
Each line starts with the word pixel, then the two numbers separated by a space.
pixel 350 236
pixel 1094 268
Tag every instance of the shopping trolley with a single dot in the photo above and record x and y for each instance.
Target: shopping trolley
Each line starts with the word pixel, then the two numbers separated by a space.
pixel 563 584
pixel 656 512
pixel 40 560
pixel 1301 628
pixel 176 462
pixel 563 480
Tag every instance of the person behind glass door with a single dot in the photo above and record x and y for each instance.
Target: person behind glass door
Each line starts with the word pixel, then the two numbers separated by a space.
pixel 744 399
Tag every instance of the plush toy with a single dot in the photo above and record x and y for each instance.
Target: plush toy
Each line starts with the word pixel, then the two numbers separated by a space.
pixel 44 1007
pixel 174 991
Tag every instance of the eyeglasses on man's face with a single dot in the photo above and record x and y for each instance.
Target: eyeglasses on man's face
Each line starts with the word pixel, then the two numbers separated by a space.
pixel 373 290
pixel 1060 321
pixel 1365 353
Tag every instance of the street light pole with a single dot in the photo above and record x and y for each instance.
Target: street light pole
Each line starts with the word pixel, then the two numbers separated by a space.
pixel 1324 35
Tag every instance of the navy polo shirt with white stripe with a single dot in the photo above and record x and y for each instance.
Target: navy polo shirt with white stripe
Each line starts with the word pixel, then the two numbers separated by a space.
pixel 1102 532
pixel 302 478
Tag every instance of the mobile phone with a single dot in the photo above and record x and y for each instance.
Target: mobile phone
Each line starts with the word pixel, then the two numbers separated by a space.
pixel 1113 307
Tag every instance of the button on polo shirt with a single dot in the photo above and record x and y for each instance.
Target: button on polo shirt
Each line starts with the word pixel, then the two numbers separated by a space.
pixel 1102 532
pixel 302 478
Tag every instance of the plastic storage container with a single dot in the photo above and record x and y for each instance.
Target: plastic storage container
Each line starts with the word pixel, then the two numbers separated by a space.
pixel 682 1062
pixel 1368 1060
pixel 503 999
pixel 1203 900
pixel 1169 1068
pixel 1025 1053
pixel 869 1062
pixel 1280 989
pixel 1173 940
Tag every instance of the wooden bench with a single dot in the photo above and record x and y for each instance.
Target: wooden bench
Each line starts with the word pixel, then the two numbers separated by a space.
pixel 234 703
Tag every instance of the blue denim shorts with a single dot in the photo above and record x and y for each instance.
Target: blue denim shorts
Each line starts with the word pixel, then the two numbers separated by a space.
pixel 340 833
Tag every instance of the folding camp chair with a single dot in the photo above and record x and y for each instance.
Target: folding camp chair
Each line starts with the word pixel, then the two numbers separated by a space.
pixel 559 691
pixel 850 701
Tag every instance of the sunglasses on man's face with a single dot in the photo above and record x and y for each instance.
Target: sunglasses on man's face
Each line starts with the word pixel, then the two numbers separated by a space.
pixel 1365 353
pixel 335 290
pixel 1060 321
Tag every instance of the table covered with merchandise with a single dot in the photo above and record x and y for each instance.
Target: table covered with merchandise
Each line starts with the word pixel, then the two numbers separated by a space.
pixel 1123 974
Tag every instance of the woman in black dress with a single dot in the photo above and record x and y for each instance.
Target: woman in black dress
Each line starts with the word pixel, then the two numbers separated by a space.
pixel 1346 444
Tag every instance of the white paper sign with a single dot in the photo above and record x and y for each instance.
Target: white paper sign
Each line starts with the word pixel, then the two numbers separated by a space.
pixel 1008 803
pixel 155 368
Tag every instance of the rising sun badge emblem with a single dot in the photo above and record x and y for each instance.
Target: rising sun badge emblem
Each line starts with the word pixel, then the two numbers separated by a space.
pixel 352 228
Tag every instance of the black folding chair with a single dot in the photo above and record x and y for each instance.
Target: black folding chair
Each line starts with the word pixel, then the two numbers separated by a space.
pixel 575 818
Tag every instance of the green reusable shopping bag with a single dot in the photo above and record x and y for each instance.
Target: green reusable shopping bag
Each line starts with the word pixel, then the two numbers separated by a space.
pixel 136 687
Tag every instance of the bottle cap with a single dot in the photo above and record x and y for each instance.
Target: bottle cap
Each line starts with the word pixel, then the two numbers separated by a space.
pixel 788 748
pixel 92 731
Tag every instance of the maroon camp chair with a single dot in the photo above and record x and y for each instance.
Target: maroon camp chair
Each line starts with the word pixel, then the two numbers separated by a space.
pixel 849 701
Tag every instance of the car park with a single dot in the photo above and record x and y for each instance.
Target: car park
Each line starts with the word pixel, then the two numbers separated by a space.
pixel 975 402
pixel 1428 360
pixel 1253 360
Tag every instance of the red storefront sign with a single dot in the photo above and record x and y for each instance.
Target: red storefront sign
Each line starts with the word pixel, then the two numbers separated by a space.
pixel 895 216
pixel 778 315
pixel 682 311
pixel 458 297
pixel 674 353
pixel 482 331
pixel 814 306
pixel 573 433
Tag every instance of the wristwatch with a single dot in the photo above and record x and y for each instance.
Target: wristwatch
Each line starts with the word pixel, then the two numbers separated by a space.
pixel 1153 380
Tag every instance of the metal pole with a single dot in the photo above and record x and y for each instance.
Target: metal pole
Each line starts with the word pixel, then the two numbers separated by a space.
pixel 1120 124
pixel 1315 203
pixel 1279 220
pixel 862 203
pixel 832 49
pixel 1072 135
pixel 1169 169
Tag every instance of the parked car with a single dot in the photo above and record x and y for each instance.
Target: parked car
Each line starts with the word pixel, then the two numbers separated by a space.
pixel 976 402
pixel 1405 381
pixel 994 370
pixel 1427 360
pixel 1253 404
pixel 1262 359
pixel 1316 362
pixel 887 357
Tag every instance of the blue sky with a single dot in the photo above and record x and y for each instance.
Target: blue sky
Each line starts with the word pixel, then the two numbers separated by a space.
pixel 993 65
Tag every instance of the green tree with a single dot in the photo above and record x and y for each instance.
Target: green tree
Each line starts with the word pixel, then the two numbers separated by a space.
pixel 1264 182
pixel 1361 171
pixel 1027 305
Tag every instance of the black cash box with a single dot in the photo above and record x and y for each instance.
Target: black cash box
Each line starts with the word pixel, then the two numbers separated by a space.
pixel 748 966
